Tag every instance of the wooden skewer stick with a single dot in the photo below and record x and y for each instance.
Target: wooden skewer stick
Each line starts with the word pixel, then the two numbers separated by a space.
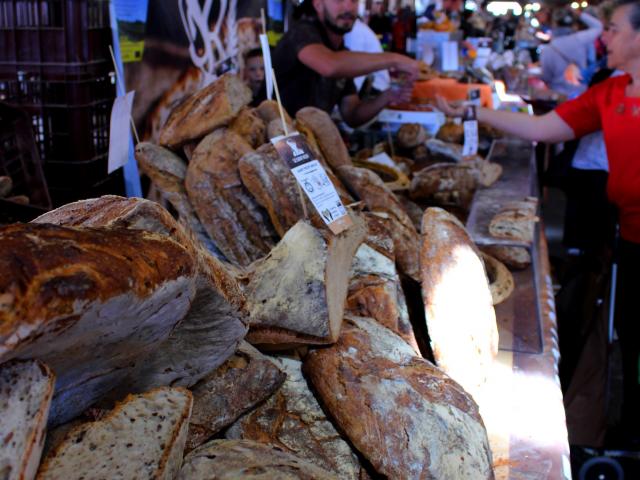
pixel 390 140
pixel 264 21
pixel 121 83
pixel 286 132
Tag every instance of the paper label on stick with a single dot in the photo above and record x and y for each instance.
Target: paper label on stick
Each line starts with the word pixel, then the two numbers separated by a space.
pixel 119 132
pixel 313 179
pixel 470 146
pixel 266 58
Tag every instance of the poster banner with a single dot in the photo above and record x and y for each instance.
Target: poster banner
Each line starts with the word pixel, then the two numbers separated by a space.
pixel 131 18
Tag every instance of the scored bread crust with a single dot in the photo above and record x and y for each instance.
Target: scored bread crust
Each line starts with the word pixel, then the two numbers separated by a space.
pixel 204 111
pixel 370 188
pixel 329 139
pixel 250 126
pixel 448 184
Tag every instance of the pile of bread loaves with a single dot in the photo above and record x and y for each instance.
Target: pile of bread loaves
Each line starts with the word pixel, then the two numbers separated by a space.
pixel 233 337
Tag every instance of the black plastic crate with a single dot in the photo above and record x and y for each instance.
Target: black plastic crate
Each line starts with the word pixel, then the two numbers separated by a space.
pixel 54 31
pixel 69 105
pixel 87 173
pixel 19 157
pixel 111 185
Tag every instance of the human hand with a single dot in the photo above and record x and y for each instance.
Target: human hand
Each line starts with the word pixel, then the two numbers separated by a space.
pixel 448 108
pixel 397 95
pixel 406 66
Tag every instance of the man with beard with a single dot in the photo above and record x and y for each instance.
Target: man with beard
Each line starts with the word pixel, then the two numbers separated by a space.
pixel 313 68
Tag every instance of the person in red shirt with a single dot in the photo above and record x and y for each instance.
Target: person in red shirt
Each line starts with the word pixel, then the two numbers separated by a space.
pixel 612 106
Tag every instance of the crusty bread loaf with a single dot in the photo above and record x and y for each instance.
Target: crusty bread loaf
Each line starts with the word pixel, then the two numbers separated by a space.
pixel 449 152
pixel 232 218
pixel 250 126
pixel 408 418
pixel 451 132
pixel 246 379
pixel 516 220
pixel 274 187
pixel 374 288
pixel 514 257
pixel 276 129
pixel 446 184
pixel 247 460
pixel 488 172
pixel 411 135
pixel 26 389
pixel 296 294
pixel 414 210
pixel 458 304
pixel 6 185
pixel 331 144
pixel 268 111
pixel 89 302
pixel 215 323
pixel 204 111
pixel 501 282
pixel 143 437
pixel 293 418
pixel 370 188
pixel 168 172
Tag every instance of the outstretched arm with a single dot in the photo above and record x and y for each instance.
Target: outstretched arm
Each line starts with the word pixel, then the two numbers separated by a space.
pixel 543 128
pixel 344 63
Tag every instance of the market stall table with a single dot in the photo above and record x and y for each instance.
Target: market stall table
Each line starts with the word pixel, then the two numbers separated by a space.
pixel 523 409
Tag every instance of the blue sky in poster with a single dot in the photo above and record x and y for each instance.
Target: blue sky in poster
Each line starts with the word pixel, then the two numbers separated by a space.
pixel 131 10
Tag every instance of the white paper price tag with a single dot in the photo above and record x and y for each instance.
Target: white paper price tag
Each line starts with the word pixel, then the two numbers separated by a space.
pixel 470 146
pixel 119 132
pixel 313 179
pixel 266 58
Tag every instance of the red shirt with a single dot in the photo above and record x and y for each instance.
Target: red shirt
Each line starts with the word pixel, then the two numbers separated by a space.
pixel 605 107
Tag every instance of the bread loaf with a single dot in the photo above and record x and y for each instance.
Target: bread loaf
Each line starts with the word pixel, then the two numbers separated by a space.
pixel 331 144
pixel 501 282
pixel 451 132
pixel 215 323
pixel 247 460
pixel 411 135
pixel 516 220
pixel 274 187
pixel 488 173
pixel 250 126
pixel 143 437
pixel 296 294
pixel 168 172
pixel 457 301
pixel 514 257
pixel 26 389
pixel 246 379
pixel 292 418
pixel 446 184
pixel 232 218
pixel 374 288
pixel 407 417
pixel 268 110
pixel 89 302
pixel 204 111
pixel 6 185
pixel 370 188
